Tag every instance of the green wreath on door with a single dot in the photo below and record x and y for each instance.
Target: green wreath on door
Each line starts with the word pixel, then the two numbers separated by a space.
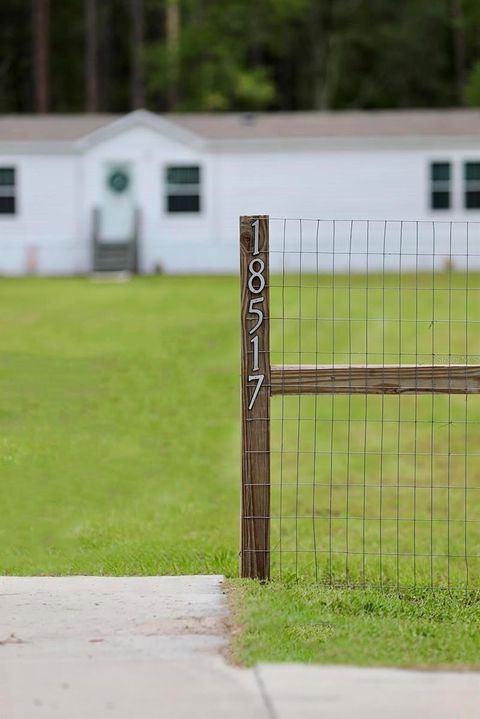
pixel 118 181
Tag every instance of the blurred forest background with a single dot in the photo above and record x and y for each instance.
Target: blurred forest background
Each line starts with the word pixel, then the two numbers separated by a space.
pixel 214 55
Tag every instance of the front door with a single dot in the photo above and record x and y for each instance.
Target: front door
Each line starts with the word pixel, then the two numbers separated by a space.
pixel 117 210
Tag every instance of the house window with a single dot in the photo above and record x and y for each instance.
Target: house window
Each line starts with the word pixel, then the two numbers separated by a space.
pixel 440 183
pixel 183 189
pixel 472 185
pixel 7 191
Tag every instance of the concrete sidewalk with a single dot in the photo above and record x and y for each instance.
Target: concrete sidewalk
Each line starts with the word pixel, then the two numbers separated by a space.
pixel 151 647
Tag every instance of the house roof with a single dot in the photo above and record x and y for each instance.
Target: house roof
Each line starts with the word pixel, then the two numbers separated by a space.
pixel 332 124
pixel 50 128
pixel 254 126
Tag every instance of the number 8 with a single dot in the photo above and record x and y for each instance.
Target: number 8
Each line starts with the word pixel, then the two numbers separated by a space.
pixel 255 274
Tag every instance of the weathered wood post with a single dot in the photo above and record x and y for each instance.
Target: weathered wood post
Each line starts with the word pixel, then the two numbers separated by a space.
pixel 255 390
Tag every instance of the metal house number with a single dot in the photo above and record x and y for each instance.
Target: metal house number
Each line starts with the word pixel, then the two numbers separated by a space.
pixel 256 285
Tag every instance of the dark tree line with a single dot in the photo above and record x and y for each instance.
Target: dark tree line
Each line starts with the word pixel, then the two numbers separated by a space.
pixel 115 55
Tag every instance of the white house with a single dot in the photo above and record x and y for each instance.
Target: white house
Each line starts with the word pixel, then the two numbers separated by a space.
pixel 152 192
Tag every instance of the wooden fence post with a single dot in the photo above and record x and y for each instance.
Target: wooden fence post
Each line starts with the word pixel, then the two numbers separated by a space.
pixel 255 390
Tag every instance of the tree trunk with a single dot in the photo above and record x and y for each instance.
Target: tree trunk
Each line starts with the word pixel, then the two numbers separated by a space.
pixel 318 39
pixel 91 65
pixel 137 76
pixel 324 60
pixel 106 78
pixel 40 20
pixel 172 36
pixel 458 30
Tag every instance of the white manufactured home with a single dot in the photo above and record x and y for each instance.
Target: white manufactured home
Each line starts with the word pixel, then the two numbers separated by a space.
pixel 147 192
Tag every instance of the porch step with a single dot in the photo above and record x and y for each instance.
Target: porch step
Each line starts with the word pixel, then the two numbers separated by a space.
pixel 113 257
pixel 120 256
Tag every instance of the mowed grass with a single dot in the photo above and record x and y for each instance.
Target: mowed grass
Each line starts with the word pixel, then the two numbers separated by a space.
pixel 305 622
pixel 119 454
pixel 119 447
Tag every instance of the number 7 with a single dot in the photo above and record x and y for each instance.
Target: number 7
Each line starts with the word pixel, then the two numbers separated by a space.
pixel 259 378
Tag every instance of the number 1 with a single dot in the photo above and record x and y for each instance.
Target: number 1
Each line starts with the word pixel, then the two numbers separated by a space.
pixel 256 230
pixel 254 342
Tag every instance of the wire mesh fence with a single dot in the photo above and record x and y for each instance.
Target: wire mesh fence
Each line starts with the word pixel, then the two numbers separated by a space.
pixel 369 421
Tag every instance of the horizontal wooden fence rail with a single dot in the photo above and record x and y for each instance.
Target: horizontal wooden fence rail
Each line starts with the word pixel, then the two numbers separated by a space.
pixel 374 379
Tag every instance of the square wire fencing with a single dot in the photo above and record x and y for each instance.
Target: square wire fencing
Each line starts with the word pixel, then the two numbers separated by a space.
pixel 360 414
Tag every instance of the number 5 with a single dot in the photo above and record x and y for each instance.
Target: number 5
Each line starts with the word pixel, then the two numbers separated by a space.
pixel 254 311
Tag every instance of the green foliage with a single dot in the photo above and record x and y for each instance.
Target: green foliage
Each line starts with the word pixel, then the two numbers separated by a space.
pixel 472 90
pixel 237 55
pixel 254 89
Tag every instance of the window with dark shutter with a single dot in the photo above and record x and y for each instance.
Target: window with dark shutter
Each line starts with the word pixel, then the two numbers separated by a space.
pixel 7 191
pixel 440 183
pixel 183 189
pixel 472 185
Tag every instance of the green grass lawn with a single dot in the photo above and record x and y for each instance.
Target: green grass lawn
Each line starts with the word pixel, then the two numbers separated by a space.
pixel 119 454
pixel 119 444
pixel 306 622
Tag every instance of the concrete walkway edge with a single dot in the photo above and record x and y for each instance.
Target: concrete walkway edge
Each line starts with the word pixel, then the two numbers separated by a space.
pixel 153 647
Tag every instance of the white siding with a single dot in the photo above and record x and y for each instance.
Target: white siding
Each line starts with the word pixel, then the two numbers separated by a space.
pixel 46 222
pixel 56 196
pixel 373 185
